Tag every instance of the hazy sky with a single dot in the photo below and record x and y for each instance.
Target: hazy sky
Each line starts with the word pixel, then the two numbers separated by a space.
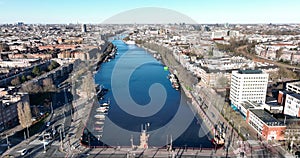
pixel 202 11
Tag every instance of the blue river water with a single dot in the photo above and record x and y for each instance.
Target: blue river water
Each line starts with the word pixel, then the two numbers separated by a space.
pixel 141 96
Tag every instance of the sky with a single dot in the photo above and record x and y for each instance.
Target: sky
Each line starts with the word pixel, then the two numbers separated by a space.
pixel 201 11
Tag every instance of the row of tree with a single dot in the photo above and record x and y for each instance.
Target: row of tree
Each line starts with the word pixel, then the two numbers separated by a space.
pixel 33 87
pixel 234 43
pixel 35 72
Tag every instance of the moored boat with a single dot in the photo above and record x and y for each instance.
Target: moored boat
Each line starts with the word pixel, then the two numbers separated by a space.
pixel 101 91
pixel 130 42
pixel 174 81
pixel 105 104
pixel 219 136
pixel 102 109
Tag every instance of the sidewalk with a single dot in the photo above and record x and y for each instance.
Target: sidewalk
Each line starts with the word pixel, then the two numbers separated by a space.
pixel 11 131
pixel 71 145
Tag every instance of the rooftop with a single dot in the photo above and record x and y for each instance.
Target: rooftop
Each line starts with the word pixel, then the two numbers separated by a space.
pixel 295 95
pixel 266 117
pixel 250 71
pixel 297 83
pixel 250 105
pixel 273 104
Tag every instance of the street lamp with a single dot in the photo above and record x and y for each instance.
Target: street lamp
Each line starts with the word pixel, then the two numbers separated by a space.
pixel 63 130
pixel 44 144
pixel 27 130
pixel 89 140
pixel 24 135
pixel 7 142
pixel 60 136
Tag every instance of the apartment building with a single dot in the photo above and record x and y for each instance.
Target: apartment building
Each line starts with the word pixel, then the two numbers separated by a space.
pixel 292 105
pixel 248 85
pixel 293 87
pixel 265 124
pixel 8 108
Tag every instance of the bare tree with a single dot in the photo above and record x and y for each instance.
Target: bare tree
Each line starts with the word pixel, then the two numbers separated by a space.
pixel 31 88
pixel 36 110
pixel 15 81
pixel 24 114
pixel 48 85
pixel 28 77
pixel 47 103
pixel 222 82
pixel 279 53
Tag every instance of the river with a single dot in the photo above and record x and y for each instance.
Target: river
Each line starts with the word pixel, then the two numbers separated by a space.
pixel 141 96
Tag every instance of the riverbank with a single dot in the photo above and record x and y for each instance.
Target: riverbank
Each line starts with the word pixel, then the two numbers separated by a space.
pixel 105 54
pixel 169 60
pixel 82 106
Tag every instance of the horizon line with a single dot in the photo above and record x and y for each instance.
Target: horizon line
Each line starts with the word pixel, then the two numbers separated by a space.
pixel 280 23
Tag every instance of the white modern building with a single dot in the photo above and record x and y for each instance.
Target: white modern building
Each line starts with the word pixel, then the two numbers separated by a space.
pixel 248 85
pixel 293 87
pixel 292 105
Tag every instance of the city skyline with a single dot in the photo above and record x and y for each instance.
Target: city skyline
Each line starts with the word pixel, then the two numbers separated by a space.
pixel 217 11
pixel 126 78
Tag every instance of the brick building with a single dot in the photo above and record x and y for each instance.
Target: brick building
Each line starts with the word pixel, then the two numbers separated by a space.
pixel 265 124
pixel 8 107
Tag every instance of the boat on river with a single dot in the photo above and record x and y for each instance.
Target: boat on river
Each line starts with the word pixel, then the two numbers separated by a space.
pixel 101 91
pixel 219 136
pixel 130 42
pixel 102 109
pixel 174 81
pixel 105 104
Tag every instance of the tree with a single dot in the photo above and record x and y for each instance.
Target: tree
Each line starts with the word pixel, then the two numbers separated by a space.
pixel 279 53
pixel 274 76
pixel 15 81
pixel 28 77
pixel 47 103
pixel 53 65
pixel 222 82
pixel 31 88
pixel 24 114
pixel 23 78
pixel 285 73
pixel 36 110
pixel 36 71
pixel 48 85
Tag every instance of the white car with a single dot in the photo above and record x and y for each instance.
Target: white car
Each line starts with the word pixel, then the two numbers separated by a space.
pixel 23 152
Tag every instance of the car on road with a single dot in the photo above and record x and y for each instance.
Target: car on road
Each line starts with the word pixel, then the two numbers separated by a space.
pixel 48 124
pixel 23 152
